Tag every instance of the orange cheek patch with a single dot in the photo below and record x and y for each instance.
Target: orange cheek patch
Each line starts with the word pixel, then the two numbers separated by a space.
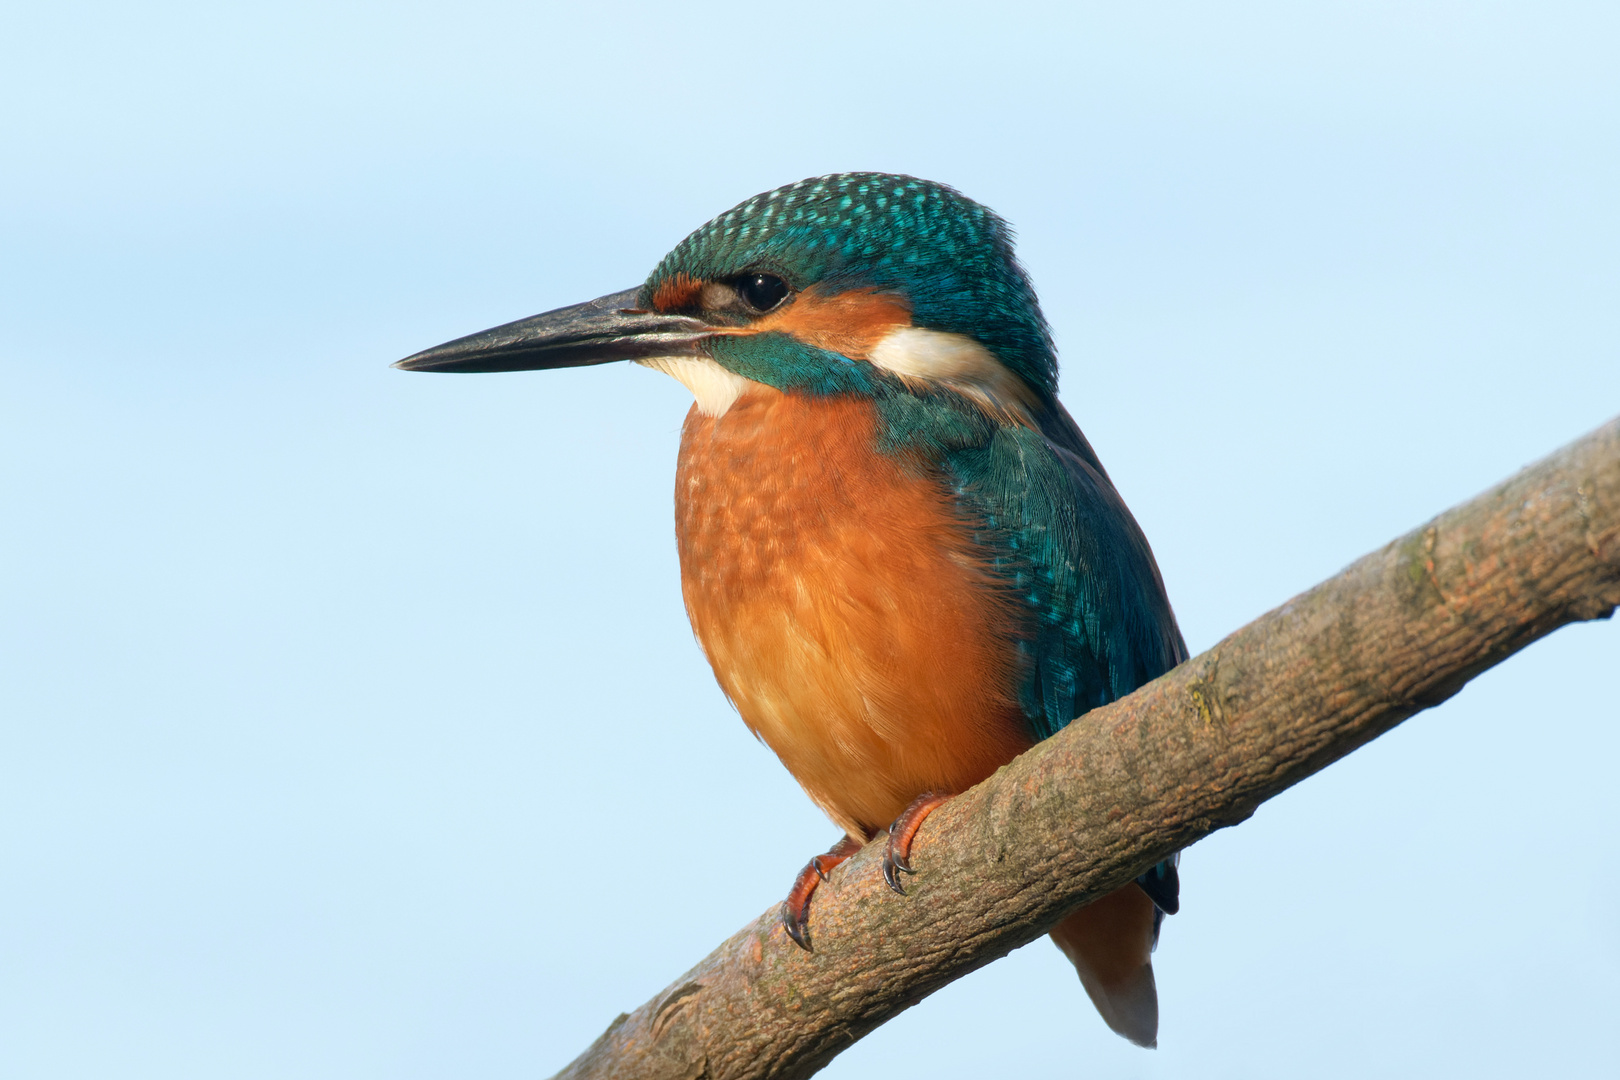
pixel 850 323
pixel 678 292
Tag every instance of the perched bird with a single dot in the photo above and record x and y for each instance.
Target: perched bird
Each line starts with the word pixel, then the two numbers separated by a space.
pixel 900 555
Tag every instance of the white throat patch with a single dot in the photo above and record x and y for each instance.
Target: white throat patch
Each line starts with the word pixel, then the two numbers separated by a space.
pixel 714 387
pixel 957 362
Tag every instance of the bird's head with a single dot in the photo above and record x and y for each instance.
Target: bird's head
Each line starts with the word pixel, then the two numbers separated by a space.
pixel 836 284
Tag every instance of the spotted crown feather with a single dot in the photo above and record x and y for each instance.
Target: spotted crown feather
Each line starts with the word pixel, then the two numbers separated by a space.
pixel 949 256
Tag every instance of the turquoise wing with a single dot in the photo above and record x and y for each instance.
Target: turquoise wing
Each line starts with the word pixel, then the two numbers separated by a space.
pixel 1100 623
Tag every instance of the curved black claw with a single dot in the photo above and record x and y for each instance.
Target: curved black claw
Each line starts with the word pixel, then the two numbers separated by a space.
pixel 796 908
pixel 797 926
pixel 895 864
pixel 897 851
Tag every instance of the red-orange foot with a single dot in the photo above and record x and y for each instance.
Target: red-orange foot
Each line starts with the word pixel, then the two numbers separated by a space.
pixel 897 855
pixel 796 908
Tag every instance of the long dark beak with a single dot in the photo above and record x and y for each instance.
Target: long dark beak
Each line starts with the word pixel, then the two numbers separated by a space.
pixel 599 331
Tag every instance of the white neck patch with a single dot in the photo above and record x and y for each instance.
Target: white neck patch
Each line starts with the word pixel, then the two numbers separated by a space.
pixel 956 362
pixel 714 387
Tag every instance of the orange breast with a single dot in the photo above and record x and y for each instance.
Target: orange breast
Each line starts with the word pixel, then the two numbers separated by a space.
pixel 838 596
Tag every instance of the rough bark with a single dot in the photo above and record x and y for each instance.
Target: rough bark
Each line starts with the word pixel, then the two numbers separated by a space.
pixel 1084 812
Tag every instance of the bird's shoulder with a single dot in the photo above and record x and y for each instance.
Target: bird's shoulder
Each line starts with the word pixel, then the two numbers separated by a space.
pixel 1046 515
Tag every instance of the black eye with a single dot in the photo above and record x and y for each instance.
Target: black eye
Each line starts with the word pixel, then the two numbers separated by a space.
pixel 762 291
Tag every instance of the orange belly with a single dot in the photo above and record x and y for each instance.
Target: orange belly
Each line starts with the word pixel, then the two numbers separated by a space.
pixel 837 594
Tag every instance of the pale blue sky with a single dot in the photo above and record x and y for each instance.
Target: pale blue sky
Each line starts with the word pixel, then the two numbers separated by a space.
pixel 349 719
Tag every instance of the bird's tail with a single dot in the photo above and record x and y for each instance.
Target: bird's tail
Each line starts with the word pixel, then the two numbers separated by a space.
pixel 1110 943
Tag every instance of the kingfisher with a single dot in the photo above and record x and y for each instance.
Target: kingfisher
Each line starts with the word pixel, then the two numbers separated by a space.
pixel 903 560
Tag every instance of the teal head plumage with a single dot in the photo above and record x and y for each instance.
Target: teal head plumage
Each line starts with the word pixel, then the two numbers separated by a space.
pixel 950 257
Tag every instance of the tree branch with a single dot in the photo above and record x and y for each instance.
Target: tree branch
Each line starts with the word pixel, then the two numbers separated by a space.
pixel 1199 749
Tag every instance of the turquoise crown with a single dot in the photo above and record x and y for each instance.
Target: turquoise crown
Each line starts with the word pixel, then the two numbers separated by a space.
pixel 949 256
